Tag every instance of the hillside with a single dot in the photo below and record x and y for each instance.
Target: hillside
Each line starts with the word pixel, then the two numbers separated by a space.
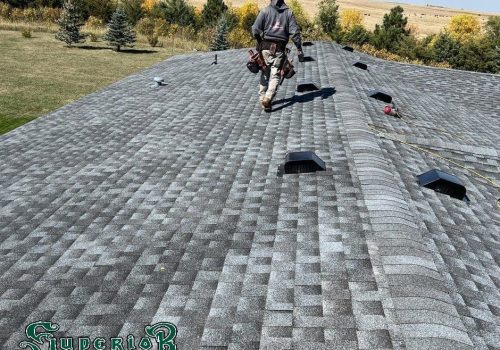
pixel 425 19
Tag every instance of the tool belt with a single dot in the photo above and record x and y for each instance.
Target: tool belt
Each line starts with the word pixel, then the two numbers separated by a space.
pixel 273 46
pixel 256 62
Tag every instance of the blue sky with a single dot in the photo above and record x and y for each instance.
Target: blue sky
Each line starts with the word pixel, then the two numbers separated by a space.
pixel 471 5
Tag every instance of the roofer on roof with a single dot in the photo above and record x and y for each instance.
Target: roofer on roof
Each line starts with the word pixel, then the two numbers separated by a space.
pixel 272 29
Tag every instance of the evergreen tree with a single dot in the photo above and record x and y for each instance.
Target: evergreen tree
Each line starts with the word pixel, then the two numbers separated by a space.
pixel 393 30
pixel 357 35
pixel 212 11
pixel 176 12
pixel 219 40
pixel 445 48
pixel 492 28
pixel 119 31
pixel 328 17
pixel 69 24
pixel 133 10
pixel 102 9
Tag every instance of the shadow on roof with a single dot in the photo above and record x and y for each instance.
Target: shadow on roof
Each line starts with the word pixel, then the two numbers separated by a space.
pixel 324 93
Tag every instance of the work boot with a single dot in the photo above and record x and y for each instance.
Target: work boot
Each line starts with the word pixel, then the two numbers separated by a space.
pixel 266 104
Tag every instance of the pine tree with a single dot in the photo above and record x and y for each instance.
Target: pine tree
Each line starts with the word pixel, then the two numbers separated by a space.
pixel 69 24
pixel 328 17
pixel 119 33
pixel 393 30
pixel 133 9
pixel 177 12
pixel 212 10
pixel 219 40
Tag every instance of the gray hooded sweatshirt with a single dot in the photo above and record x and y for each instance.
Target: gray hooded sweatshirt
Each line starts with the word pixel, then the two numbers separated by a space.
pixel 276 22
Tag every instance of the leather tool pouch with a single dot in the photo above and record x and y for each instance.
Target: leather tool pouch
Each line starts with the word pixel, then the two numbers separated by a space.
pixel 255 62
pixel 272 49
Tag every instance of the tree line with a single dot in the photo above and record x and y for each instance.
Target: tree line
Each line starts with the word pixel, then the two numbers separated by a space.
pixel 463 44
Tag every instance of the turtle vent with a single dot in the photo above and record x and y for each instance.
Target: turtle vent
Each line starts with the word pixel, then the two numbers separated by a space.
pixel 307 43
pixel 301 162
pixel 306 86
pixel 381 96
pixel 445 183
pixel 308 59
pixel 360 65
pixel 348 48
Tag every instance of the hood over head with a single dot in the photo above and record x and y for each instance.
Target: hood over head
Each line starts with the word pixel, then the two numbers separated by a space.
pixel 279 4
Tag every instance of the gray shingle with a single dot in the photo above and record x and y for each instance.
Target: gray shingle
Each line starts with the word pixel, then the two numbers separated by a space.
pixel 137 205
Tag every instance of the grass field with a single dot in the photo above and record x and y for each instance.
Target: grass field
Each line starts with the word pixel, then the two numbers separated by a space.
pixel 425 19
pixel 40 74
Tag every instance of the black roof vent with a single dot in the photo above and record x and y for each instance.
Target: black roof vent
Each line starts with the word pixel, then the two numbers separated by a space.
pixel 308 59
pixel 381 96
pixel 360 65
pixel 306 86
pixel 301 162
pixel 348 48
pixel 307 43
pixel 445 183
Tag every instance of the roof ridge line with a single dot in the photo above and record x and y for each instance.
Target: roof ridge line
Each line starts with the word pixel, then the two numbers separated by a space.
pixel 353 117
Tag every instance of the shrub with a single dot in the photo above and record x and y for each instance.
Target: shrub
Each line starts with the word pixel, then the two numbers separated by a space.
pixel 94 23
pixel 358 35
pixel 445 48
pixel 26 33
pixel 31 15
pixel 239 38
pixel 93 37
pixel 5 10
pixel 464 28
pixel 50 14
pixel 328 17
pixel 247 14
pixel 17 15
pixel 350 18
pixel 148 5
pixel 479 55
pixel 492 29
pixel 152 29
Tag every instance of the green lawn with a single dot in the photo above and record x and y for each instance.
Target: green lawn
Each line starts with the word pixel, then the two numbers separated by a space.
pixel 40 74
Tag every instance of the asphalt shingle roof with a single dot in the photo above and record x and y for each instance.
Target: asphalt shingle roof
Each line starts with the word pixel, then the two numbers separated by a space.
pixel 139 204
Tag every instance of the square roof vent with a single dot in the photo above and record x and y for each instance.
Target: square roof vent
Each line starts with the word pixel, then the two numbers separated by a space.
pixel 445 183
pixel 307 43
pixel 381 96
pixel 347 48
pixel 305 86
pixel 360 65
pixel 302 162
pixel 308 59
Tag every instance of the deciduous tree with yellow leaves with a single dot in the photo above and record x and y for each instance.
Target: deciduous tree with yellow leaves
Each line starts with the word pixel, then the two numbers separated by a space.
pixel 350 18
pixel 149 4
pixel 464 28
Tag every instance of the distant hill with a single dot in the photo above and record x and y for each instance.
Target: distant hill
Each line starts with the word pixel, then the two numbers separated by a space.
pixel 425 19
